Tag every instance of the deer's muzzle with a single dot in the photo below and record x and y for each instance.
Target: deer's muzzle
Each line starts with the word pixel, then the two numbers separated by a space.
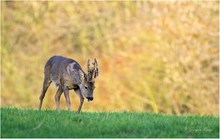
pixel 89 98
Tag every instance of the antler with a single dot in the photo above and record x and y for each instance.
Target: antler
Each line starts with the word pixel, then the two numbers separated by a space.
pixel 88 64
pixel 96 72
pixel 92 72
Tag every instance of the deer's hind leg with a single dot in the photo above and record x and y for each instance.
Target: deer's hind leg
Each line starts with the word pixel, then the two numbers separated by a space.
pixel 66 94
pixel 57 97
pixel 46 84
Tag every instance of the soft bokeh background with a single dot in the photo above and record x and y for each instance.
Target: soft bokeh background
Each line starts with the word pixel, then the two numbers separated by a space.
pixel 153 56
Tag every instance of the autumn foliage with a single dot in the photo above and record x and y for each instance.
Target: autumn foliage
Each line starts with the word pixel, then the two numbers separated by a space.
pixel 153 56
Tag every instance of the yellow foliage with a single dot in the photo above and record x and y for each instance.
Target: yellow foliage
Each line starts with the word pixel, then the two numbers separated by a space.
pixel 153 56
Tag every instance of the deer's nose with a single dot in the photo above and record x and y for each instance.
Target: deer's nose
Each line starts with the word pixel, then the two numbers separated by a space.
pixel 90 98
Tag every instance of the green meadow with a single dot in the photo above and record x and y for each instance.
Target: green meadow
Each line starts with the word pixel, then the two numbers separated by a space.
pixel 50 123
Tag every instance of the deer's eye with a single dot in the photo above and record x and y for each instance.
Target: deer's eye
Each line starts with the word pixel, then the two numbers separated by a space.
pixel 86 87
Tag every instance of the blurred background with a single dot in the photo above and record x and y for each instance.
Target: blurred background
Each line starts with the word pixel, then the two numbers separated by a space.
pixel 153 56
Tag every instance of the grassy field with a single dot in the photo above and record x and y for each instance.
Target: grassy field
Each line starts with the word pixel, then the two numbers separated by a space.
pixel 49 123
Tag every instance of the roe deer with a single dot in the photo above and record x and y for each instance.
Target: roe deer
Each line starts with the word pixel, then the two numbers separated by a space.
pixel 68 74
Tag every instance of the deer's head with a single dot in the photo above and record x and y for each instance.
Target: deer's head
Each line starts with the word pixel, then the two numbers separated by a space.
pixel 89 84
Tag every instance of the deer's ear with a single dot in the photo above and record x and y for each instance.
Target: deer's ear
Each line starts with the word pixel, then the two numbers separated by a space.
pixel 89 76
pixel 86 77
pixel 81 76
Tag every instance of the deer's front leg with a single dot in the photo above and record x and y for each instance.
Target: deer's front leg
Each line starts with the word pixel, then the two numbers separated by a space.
pixel 78 92
pixel 66 94
pixel 57 97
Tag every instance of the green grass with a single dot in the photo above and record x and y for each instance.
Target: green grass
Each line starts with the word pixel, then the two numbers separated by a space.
pixel 50 123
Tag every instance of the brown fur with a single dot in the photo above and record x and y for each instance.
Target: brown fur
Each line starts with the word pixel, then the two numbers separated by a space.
pixel 67 74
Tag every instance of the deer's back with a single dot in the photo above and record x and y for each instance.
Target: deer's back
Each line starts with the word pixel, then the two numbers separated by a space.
pixel 58 68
